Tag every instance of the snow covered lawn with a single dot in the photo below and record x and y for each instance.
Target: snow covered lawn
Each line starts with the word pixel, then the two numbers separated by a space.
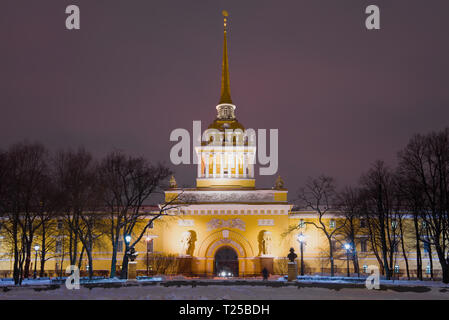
pixel 252 290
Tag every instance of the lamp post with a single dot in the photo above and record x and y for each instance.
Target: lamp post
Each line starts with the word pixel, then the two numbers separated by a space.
pixel 36 248
pixel 301 240
pixel 348 250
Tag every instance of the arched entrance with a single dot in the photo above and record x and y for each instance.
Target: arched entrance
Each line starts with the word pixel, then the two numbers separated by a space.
pixel 226 263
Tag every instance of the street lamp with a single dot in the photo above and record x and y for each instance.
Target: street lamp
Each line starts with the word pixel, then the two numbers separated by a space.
pixel 301 239
pixel 348 248
pixel 36 248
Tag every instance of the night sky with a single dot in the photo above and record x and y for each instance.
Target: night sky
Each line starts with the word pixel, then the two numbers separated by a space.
pixel 340 95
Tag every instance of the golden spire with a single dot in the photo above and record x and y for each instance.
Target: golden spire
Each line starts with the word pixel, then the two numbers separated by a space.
pixel 225 86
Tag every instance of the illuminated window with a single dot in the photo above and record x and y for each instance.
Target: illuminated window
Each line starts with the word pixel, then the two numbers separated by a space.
pixel 150 245
pixel 262 211
pixel 394 223
pixel 364 245
pixel 362 223
pixel 120 246
pixel 58 246
pixel 302 224
pixel 269 211
pixel 365 268
pixel 396 269
pixel 428 270
pixel 332 224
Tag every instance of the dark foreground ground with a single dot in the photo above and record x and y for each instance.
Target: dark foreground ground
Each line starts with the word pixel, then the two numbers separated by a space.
pixel 228 290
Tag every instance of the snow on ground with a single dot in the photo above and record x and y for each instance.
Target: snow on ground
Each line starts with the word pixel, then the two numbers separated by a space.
pixel 144 290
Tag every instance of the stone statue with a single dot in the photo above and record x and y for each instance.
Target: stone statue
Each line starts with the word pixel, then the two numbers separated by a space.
pixel 173 184
pixel 187 243
pixel 292 255
pixel 279 184
pixel 266 243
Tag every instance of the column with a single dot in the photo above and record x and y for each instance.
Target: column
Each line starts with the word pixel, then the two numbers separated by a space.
pixel 237 165
pixel 200 163
pixel 214 164
pixel 221 165
pixel 206 163
pixel 251 166
pixel 245 164
pixel 229 164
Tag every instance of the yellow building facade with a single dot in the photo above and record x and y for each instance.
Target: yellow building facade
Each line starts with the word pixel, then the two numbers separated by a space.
pixel 225 226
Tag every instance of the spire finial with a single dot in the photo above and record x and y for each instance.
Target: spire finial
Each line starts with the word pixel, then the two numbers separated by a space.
pixel 225 86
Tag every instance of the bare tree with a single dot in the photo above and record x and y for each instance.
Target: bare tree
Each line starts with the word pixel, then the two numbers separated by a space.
pixel 77 178
pixel 127 184
pixel 350 205
pixel 425 164
pixel 319 195
pixel 24 185
pixel 380 196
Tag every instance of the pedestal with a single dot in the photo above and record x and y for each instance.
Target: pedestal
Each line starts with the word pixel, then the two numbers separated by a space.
pixel 185 265
pixel 292 271
pixel 266 262
pixel 132 270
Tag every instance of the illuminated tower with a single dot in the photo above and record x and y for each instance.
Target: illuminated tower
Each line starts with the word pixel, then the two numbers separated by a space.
pixel 227 153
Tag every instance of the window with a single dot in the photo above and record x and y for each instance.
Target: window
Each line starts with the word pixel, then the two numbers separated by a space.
pixel 364 245
pixel 332 224
pixel 396 269
pixel 428 270
pixel 58 246
pixel 150 245
pixel 60 225
pixel 151 225
pixel 120 246
pixel 362 223
pixel 365 268
pixel 395 245
pixel 394 224
pixel 302 223
pixel 426 247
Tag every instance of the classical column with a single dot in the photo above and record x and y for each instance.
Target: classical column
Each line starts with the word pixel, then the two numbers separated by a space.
pixel 236 165
pixel 245 164
pixel 206 163
pixel 214 164
pixel 221 164
pixel 200 164
pixel 251 166
pixel 229 164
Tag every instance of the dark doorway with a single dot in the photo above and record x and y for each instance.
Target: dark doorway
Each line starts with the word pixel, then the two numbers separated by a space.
pixel 226 263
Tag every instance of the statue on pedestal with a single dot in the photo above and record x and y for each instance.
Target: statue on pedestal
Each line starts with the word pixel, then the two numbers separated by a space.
pixel 132 254
pixel 292 255
pixel 266 243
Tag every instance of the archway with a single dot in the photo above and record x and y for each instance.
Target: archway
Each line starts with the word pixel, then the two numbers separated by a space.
pixel 226 263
